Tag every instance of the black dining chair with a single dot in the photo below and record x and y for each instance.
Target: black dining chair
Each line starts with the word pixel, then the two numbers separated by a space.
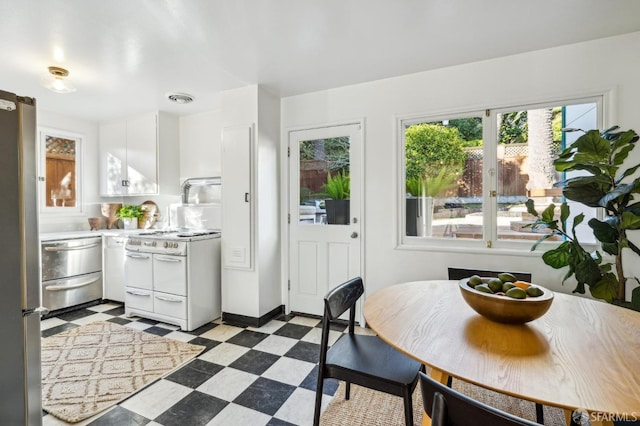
pixel 460 273
pixel 448 407
pixel 364 360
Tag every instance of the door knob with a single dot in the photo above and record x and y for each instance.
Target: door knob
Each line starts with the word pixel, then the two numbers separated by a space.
pixel 354 235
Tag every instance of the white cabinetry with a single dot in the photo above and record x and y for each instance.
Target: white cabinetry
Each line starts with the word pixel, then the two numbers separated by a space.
pixel 237 170
pixel 134 150
pixel 113 267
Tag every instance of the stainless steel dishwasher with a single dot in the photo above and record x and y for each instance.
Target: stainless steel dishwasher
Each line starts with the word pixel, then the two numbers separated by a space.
pixel 71 272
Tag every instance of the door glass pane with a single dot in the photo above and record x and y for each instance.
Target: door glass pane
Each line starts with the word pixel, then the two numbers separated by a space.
pixel 324 181
pixel 443 185
pixel 528 143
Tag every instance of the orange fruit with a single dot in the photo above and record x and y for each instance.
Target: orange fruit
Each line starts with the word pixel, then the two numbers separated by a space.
pixel 522 284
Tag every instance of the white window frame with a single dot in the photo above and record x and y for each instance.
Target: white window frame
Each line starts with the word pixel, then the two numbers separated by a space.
pixel 489 243
pixel 42 164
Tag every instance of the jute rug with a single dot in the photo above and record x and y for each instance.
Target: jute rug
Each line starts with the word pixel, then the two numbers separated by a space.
pixel 90 368
pixel 368 407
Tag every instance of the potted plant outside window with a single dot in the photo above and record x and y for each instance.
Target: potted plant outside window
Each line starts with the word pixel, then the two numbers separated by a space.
pixel 603 183
pixel 419 205
pixel 129 215
pixel 337 191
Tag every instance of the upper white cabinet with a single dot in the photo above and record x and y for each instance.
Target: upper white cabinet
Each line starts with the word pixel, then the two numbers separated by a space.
pixel 132 153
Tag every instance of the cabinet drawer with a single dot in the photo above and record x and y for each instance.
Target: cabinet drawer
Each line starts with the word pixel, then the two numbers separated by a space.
pixel 138 270
pixel 170 274
pixel 170 305
pixel 138 298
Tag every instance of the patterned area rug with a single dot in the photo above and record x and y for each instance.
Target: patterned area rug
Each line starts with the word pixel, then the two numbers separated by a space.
pixel 90 368
pixel 368 407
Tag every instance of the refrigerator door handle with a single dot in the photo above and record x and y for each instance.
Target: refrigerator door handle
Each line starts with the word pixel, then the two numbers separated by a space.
pixel 40 310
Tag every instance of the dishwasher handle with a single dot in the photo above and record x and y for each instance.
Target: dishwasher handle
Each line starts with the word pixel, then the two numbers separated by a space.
pixel 70 286
pixel 70 248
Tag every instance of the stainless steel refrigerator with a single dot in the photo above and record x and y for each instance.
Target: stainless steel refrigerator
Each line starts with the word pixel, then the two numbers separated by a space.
pixel 20 388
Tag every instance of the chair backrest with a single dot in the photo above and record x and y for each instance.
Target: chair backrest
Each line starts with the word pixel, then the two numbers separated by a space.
pixel 460 410
pixel 343 297
pixel 336 302
pixel 460 273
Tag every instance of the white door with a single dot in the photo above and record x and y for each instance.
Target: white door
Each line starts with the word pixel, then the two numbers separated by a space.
pixel 324 241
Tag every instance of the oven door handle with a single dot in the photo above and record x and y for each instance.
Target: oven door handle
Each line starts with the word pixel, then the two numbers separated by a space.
pixel 137 293
pixel 168 259
pixel 168 299
pixel 67 248
pixel 137 256
pixel 71 286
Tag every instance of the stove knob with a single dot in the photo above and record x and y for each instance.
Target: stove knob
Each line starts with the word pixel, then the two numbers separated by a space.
pixel 175 245
pixel 166 244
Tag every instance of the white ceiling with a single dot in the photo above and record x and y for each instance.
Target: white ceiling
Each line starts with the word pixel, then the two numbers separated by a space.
pixel 124 55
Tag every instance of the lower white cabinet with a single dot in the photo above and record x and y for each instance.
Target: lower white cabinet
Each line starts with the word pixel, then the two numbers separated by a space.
pixel 113 268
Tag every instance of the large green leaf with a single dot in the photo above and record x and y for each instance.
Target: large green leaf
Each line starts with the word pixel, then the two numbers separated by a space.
pixel 622 154
pixel 589 195
pixel 603 231
pixel 588 271
pixel 605 288
pixel 630 221
pixel 594 145
pixel 558 257
pixel 549 213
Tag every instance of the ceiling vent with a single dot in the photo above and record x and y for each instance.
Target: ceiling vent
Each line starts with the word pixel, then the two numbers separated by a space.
pixel 180 98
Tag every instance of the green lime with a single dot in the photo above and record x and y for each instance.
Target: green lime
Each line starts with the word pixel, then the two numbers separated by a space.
pixel 507 277
pixel 534 291
pixel 474 280
pixel 506 286
pixel 483 288
pixel 516 293
pixel 495 284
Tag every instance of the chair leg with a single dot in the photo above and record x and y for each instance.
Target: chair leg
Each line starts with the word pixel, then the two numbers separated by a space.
pixel 408 407
pixel 347 390
pixel 319 389
pixel 539 414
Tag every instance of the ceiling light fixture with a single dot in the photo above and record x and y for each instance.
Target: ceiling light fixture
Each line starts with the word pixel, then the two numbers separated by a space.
pixel 180 98
pixel 57 82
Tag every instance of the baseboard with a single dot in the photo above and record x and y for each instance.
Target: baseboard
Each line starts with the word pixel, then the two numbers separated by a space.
pixel 243 320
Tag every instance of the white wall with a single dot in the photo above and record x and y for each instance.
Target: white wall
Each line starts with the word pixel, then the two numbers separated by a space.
pixel 569 71
pixel 200 144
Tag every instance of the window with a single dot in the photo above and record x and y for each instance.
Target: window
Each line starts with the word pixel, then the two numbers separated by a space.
pixel 466 177
pixel 60 171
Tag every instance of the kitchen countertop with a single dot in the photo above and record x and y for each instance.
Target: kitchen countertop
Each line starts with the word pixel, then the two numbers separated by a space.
pixel 52 236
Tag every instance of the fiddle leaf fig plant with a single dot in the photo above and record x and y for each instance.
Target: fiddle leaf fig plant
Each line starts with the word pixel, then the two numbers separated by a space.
pixel 604 183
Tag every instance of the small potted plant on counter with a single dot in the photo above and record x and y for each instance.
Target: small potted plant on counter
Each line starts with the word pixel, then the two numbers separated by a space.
pixel 129 215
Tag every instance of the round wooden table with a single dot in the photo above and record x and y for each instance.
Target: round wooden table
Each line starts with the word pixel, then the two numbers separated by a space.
pixel 582 354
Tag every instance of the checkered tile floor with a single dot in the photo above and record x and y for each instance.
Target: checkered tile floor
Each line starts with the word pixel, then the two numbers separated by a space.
pixel 245 376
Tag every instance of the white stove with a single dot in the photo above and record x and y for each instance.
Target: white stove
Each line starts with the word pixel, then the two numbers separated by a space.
pixel 168 242
pixel 174 276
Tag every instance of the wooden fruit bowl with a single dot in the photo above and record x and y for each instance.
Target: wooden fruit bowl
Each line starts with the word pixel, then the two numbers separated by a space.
pixel 505 309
